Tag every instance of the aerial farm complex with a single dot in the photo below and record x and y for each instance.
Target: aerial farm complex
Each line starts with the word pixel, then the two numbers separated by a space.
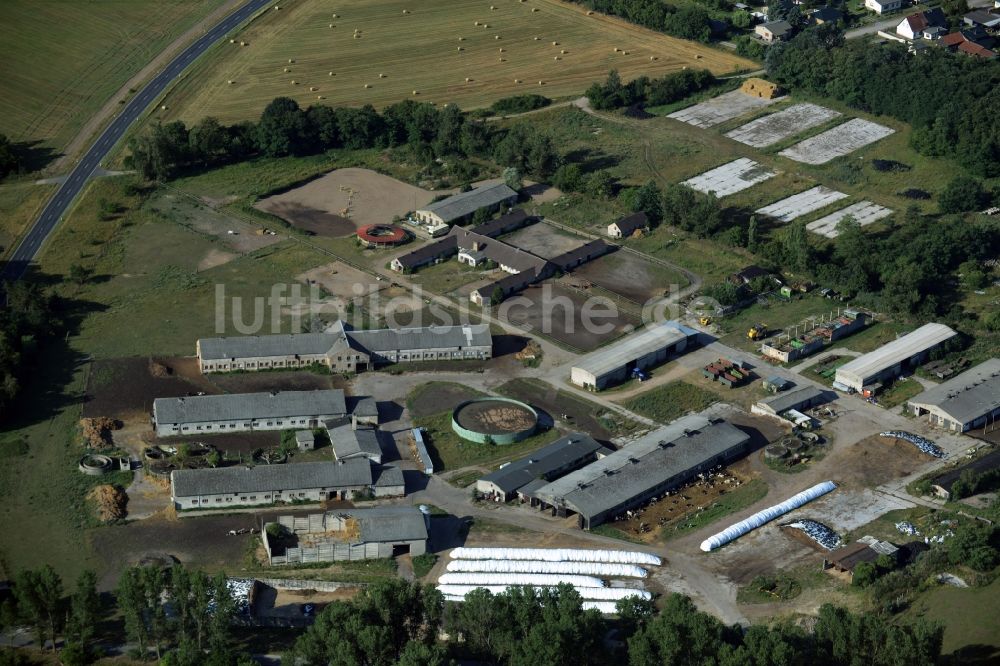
pixel 514 332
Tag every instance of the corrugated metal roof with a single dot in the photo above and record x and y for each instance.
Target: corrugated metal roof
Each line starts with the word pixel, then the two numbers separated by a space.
pixel 348 442
pixel 269 478
pixel 437 250
pixel 388 476
pixel 515 219
pixel 236 406
pixel 363 406
pixel 634 346
pixel 302 344
pixel 792 399
pixel 428 337
pixel 559 453
pixel 638 467
pixel 498 251
pixel 860 369
pixel 467 203
pixel 968 396
pixel 388 523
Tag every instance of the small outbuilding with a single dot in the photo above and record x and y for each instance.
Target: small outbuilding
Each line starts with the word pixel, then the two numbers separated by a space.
pixel 305 440
pixel 625 227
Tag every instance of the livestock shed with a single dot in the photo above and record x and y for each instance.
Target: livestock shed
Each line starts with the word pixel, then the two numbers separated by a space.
pixel 235 412
pixel 345 350
pixel 347 535
pixel 547 463
pixel 436 252
pixel 943 483
pixel 241 485
pixel 970 400
pixel 350 441
pixel 798 399
pixel 640 350
pixel 865 549
pixel 462 206
pixel 892 359
pixel 659 461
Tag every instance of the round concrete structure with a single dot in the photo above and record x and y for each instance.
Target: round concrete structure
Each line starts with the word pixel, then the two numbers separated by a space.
pixel 494 421
pixel 95 464
pixel 381 235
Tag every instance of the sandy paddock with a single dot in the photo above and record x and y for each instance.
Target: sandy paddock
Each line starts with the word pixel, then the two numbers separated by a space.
pixel 366 196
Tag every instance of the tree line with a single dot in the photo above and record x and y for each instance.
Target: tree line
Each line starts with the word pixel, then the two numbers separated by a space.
pixel 10 161
pixel 950 100
pixel 29 319
pixel 688 21
pixel 644 91
pixel 284 128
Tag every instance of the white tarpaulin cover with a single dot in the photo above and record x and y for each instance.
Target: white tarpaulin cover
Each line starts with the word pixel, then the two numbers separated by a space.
pixel 765 516
pixel 594 593
pixel 518 579
pixel 531 566
pixel 556 555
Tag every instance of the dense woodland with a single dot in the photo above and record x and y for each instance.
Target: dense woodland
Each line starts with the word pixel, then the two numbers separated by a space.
pixel 950 99
pixel 644 91
pixel 28 320
pixel 689 21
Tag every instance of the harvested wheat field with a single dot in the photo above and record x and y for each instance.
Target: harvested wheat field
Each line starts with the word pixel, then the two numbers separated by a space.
pixel 354 52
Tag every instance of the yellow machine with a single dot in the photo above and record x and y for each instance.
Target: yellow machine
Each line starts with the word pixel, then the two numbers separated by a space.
pixel 757 332
pixel 705 321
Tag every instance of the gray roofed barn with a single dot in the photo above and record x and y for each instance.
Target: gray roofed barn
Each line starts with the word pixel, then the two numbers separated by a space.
pixel 301 344
pixel 428 337
pixel 513 220
pixel 642 349
pixel 248 407
pixel 889 360
pixel 800 398
pixel 350 442
pixel 270 478
pixel 638 471
pixel 964 402
pixel 563 454
pixel 389 523
pixel 628 225
pixel 464 204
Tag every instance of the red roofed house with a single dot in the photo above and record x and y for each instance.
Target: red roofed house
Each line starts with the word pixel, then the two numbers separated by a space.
pixel 973 49
pixel 914 25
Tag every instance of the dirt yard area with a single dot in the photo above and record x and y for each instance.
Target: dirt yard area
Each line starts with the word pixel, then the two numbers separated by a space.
pixel 558 312
pixel 343 200
pixel 341 281
pixel 438 397
pixel 544 240
pixel 567 410
pixel 284 603
pixel 204 219
pixel 233 443
pixel 629 276
pixel 124 388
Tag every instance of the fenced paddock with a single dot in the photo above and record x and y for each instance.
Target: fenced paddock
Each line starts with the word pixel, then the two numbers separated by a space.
pixel 720 109
pixel 865 212
pixel 801 204
pixel 776 127
pixel 840 140
pixel 730 178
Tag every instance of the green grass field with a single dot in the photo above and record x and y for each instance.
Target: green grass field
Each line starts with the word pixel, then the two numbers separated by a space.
pixel 671 401
pixel 63 59
pixel 19 204
pixel 970 618
pixel 421 51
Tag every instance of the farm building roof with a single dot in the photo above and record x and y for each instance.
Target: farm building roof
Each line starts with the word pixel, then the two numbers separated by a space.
pixel 897 351
pixel 985 463
pixel 348 442
pixel 511 282
pixel 778 28
pixel 545 460
pixel 387 476
pixel 968 396
pixel 793 399
pixel 388 523
pixel 304 437
pixel 849 556
pixel 643 465
pixel 236 406
pixel 426 337
pixel 582 254
pixel 972 48
pixel 640 343
pixel 498 251
pixel 985 17
pixel 515 219
pixel 363 406
pixel 258 346
pixel 466 203
pixel 437 250
pixel 268 478
pixel 628 224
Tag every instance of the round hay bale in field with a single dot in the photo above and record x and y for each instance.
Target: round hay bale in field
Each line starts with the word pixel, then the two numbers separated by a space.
pixel 555 43
pixel 501 49
pixel 415 92
pixel 334 15
pixel 564 51
pixel 294 82
pixel 406 11
pixel 230 82
pixel 486 25
pixel 698 56
pixel 517 80
pixel 475 22
pixel 496 36
pixel 276 8
pixel 243 43
pixel 541 83
pixel 331 74
pixel 494 420
pixel 291 61
pixel 163 107
pixel 287 70
pixel 232 41
pixel 332 25
pixel 461 39
pixel 534 9
pixel 468 79
pixel 320 97
pixel 459 48
pixel 652 57
pixel 624 52
pixel 555 57
pixel 500 59
pixel 590 13
pixel 357 36
pixel 368 85
pixel 493 8
pixel 313 88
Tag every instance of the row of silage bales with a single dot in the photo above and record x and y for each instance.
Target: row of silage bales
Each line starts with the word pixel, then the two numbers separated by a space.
pixel 453 592
pixel 557 555
pixel 765 516
pixel 532 580
pixel 611 569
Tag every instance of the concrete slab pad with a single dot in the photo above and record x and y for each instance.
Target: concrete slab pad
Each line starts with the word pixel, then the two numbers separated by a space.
pixel 720 109
pixel 840 140
pixel 776 127
pixel 865 212
pixel 799 204
pixel 730 178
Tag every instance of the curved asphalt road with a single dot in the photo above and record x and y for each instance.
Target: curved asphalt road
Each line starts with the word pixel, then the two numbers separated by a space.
pixel 85 168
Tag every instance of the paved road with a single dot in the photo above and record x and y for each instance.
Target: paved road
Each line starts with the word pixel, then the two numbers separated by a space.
pixel 32 241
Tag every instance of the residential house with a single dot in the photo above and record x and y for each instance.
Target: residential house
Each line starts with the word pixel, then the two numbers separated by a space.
pixel 774 31
pixel 826 14
pixel 988 19
pixel 915 25
pixel 883 6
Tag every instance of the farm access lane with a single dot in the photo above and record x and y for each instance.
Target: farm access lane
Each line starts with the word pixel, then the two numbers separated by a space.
pixel 29 245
